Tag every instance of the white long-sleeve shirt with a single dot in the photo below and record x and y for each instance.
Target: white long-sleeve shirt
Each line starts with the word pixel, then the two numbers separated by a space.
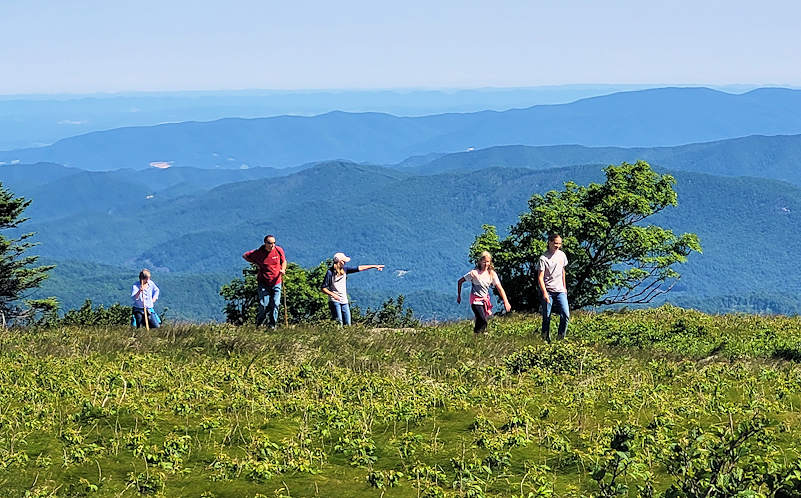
pixel 148 297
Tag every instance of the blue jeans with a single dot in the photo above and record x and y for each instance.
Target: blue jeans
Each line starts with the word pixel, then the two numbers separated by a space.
pixel 340 312
pixel 269 299
pixel 564 314
pixel 139 318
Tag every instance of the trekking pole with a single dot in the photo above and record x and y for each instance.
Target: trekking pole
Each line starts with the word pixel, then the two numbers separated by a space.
pixel 144 307
pixel 286 314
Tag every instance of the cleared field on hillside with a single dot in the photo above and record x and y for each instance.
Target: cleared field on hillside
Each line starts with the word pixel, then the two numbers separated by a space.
pixel 637 403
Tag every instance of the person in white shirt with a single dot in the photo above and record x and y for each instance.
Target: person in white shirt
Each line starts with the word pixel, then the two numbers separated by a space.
pixel 553 285
pixel 481 278
pixel 335 286
pixel 144 295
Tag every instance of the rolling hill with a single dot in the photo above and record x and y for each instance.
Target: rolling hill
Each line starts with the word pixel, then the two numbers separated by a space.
pixel 36 120
pixel 775 157
pixel 419 226
pixel 655 117
pixel 59 191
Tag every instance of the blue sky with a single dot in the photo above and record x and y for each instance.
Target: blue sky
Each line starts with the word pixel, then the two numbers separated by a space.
pixel 52 46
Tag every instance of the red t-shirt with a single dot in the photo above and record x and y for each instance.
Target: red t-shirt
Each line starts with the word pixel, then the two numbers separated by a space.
pixel 269 263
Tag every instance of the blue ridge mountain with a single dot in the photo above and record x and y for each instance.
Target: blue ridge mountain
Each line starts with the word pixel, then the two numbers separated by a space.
pixel 59 191
pixel 776 157
pixel 419 226
pixel 36 120
pixel 645 118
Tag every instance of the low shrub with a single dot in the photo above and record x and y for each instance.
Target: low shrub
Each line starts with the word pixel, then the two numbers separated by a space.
pixel 561 357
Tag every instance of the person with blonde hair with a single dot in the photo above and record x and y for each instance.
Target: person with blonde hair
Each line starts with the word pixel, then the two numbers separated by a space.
pixel 481 278
pixel 144 294
pixel 335 286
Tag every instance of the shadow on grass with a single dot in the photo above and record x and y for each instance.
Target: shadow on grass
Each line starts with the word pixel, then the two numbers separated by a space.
pixel 788 354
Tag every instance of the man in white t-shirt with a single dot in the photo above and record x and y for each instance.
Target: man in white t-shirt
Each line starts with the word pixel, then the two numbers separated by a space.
pixel 553 285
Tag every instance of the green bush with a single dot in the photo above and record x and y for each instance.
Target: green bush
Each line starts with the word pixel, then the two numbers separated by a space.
pixel 86 315
pixel 562 357
pixel 391 314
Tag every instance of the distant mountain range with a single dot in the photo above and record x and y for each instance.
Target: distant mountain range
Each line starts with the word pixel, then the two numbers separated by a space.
pixel 776 157
pixel 413 194
pixel 60 191
pixel 37 120
pixel 645 118
pixel 419 226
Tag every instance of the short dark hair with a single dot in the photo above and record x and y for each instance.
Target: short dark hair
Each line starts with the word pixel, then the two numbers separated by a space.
pixel 553 236
pixel 268 236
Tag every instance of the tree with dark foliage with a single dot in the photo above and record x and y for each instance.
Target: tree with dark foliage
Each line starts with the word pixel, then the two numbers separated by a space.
pixel 17 273
pixel 615 256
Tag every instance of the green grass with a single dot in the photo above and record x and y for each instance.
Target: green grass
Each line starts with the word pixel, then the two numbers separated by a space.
pixel 216 410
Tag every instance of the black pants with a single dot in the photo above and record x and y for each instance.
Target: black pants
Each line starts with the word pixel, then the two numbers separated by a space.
pixel 481 318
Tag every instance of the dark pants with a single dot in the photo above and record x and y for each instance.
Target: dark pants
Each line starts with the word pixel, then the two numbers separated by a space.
pixel 139 318
pixel 481 318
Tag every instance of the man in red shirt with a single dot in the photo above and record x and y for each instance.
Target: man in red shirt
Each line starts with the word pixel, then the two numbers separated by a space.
pixel 271 261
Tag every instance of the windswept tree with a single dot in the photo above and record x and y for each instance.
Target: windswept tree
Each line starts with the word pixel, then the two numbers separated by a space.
pixel 17 273
pixel 615 256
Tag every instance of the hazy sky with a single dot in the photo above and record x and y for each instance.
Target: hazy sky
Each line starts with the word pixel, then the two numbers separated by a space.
pixel 51 46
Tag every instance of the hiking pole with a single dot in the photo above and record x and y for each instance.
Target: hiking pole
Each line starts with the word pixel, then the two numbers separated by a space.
pixel 144 307
pixel 286 315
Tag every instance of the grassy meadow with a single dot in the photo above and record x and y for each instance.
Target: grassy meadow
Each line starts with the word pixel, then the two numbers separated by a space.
pixel 657 402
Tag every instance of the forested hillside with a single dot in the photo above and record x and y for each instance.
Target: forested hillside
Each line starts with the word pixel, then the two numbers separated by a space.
pixel 775 157
pixel 419 226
